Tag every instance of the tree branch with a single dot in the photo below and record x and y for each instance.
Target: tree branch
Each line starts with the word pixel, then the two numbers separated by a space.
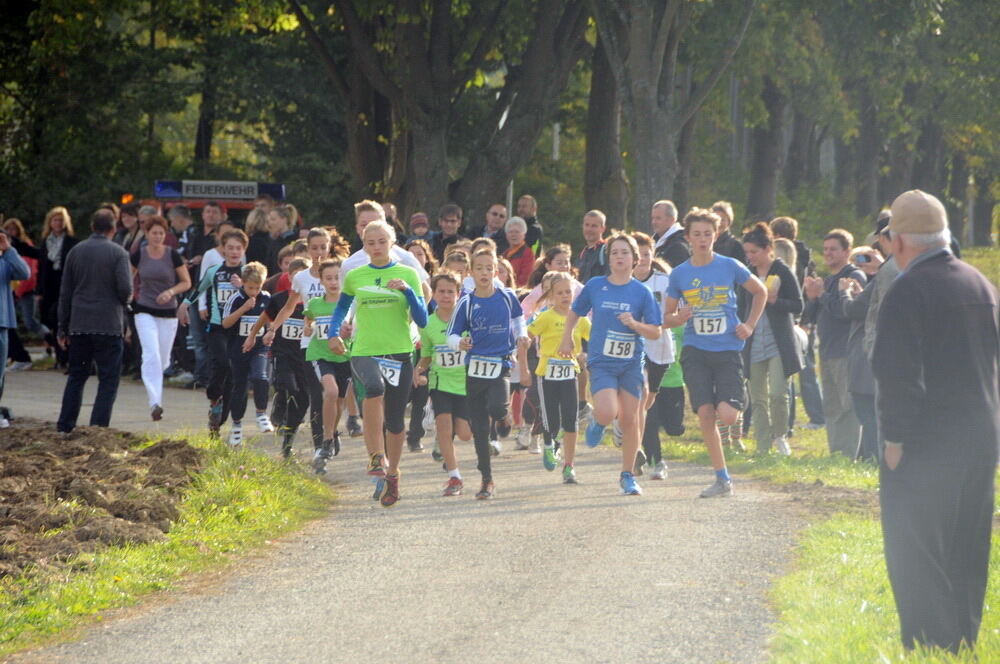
pixel 487 38
pixel 367 56
pixel 661 38
pixel 333 72
pixel 440 44
pixel 725 58
pixel 612 21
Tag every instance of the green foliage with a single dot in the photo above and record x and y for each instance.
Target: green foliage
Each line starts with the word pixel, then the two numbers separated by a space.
pixel 237 501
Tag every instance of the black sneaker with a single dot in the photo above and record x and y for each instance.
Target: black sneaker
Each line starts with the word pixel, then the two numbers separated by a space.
pixel 415 446
pixel 336 443
pixel 353 428
pixel 287 438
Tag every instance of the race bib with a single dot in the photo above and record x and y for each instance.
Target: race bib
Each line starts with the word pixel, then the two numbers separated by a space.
pixel 560 370
pixel 247 323
pixel 391 369
pixel 321 327
pixel 223 292
pixel 482 366
pixel 291 329
pixel 446 358
pixel 709 325
pixel 619 345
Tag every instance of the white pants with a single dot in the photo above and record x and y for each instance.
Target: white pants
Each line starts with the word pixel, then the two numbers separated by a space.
pixel 156 335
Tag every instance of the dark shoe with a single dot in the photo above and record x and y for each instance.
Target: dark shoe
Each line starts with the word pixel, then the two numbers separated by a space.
pixel 487 491
pixel 156 413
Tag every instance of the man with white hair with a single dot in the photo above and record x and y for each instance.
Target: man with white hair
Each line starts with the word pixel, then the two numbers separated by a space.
pixel 671 245
pixel 936 361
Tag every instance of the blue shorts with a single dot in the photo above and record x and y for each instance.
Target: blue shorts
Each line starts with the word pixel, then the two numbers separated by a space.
pixel 616 375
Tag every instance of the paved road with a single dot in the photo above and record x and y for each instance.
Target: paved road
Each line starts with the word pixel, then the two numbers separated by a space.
pixel 546 572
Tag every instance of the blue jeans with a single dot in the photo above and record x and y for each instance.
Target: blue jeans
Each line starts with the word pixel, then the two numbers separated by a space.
pixel 85 350
pixel 198 333
pixel 3 357
pixel 26 306
pixel 812 396
pixel 864 408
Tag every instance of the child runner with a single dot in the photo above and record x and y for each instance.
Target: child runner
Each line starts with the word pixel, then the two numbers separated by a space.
pixel 446 379
pixel 219 283
pixel 387 295
pixel 332 369
pixel 239 319
pixel 624 314
pixel 291 385
pixel 493 318
pixel 713 334
pixel 667 413
pixel 558 391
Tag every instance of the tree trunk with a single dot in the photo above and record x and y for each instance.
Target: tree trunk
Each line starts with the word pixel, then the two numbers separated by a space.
pixel 605 186
pixel 814 171
pixel 900 175
pixel 958 187
pixel 868 150
pixel 206 121
pixel 843 162
pixel 655 169
pixel 365 162
pixel 768 144
pixel 685 155
pixel 429 164
pixel 982 222
pixel 798 151
pixel 927 171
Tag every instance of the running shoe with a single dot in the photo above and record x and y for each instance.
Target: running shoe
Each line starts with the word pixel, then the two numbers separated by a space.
pixel 336 443
pixel 738 445
pixel 628 484
pixel 156 413
pixel 375 464
pixel 522 439
pixel 213 433
pixel 4 423
pixel 616 433
pixel 320 457
pixel 781 443
pixel 569 475
pixel 534 447
pixel 549 457
pixel 495 447
pixel 215 414
pixel 585 412
pixel 415 446
pixel 236 434
pixel 390 490
pixel 453 487
pixel 19 366
pixel 721 487
pixel 504 427
pixel 264 423
pixel 659 471
pixel 436 452
pixel 287 438
pixel 813 426
pixel 486 491
pixel 640 461
pixel 594 433
pixel 353 428
pixel 428 422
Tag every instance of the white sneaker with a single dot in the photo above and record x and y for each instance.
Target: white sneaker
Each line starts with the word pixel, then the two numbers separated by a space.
pixel 495 448
pixel 659 472
pixel 264 423
pixel 781 444
pixel 583 413
pixel 19 366
pixel 236 434
pixel 428 418
pixel 4 423
pixel 522 438
pixel 616 433
pixel 533 445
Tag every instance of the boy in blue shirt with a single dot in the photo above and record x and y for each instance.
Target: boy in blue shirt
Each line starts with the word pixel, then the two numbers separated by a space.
pixel 713 334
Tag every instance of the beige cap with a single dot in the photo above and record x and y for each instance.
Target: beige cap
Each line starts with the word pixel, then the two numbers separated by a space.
pixel 917 212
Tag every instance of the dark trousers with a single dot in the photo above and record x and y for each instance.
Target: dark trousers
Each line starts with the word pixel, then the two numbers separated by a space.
pixel 418 403
pixel 315 390
pixel 812 396
pixel 937 509
pixel 248 369
pixel 220 375
pixel 488 398
pixel 864 409
pixel 15 349
pixel 667 413
pixel 85 350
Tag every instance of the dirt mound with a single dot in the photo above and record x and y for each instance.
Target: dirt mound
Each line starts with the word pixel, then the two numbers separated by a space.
pixel 65 494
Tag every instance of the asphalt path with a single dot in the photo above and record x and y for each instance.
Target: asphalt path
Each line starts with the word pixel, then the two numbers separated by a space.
pixel 545 572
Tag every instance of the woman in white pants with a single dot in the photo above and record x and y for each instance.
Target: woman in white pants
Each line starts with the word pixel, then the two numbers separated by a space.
pixel 163 275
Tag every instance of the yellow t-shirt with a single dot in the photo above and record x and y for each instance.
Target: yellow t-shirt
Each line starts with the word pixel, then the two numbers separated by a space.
pixel 549 326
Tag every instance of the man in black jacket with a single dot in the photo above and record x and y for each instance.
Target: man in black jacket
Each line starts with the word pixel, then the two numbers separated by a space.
pixel 936 362
pixel 527 209
pixel 671 245
pixel 727 244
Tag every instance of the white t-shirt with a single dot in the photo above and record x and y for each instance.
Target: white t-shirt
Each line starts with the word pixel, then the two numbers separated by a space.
pixel 397 253
pixel 308 287
pixel 660 350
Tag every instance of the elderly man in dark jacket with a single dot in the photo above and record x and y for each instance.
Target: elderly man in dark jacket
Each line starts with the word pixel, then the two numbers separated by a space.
pixel 96 289
pixel 936 361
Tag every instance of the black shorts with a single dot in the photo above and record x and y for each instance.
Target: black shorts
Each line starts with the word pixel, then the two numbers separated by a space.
pixel 713 377
pixel 446 403
pixel 367 373
pixel 654 375
pixel 341 372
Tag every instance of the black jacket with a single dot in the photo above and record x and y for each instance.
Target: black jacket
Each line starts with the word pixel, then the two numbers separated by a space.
pixel 48 277
pixel 533 238
pixel 937 358
pixel 728 245
pixel 781 315
pixel 675 250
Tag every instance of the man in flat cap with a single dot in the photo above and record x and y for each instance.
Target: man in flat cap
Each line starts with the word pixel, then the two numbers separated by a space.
pixel 936 363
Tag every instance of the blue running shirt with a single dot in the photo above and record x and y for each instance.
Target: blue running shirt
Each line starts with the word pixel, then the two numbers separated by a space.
pixel 711 292
pixel 489 321
pixel 609 338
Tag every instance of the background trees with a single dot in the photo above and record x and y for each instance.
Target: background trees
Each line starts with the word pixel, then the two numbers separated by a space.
pixel 821 110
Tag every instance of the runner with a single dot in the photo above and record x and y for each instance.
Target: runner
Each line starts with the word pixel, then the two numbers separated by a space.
pixel 558 376
pixel 387 295
pixel 333 370
pixel 493 318
pixel 248 356
pixel 291 372
pixel 219 283
pixel 624 313
pixel 713 334
pixel 163 276
pixel 446 378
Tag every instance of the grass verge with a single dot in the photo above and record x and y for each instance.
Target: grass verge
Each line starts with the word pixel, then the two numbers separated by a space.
pixel 238 500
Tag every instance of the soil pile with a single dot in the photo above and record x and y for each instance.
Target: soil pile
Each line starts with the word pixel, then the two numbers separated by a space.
pixel 61 495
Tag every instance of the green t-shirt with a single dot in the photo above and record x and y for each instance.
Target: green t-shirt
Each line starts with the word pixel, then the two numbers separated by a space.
pixel 447 372
pixel 382 315
pixel 674 376
pixel 321 313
